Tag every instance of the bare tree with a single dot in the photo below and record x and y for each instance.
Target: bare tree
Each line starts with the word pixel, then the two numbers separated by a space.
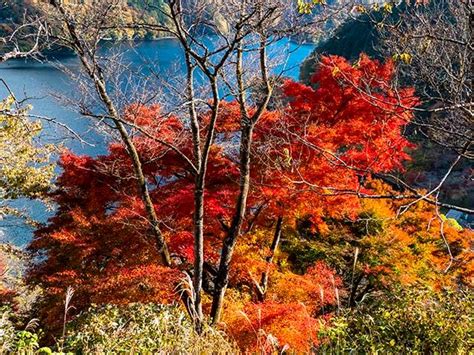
pixel 82 32
pixel 433 46
pixel 24 40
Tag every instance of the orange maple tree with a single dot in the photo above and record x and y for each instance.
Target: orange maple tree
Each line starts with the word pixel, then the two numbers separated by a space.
pixel 311 156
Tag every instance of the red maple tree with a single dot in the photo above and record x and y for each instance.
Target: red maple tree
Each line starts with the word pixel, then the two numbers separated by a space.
pixel 311 155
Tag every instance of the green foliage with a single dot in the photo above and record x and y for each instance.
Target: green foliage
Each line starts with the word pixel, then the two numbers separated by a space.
pixel 7 331
pixel 369 223
pixel 142 328
pixel 24 341
pixel 335 247
pixel 415 321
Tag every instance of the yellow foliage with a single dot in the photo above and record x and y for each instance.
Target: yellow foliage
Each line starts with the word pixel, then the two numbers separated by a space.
pixel 403 57
pixel 305 7
pixel 388 7
pixel 25 168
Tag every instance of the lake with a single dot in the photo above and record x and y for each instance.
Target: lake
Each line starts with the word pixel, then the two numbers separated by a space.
pixel 41 83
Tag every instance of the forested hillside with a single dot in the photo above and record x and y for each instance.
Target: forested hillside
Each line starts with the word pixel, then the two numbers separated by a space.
pixel 14 13
pixel 220 204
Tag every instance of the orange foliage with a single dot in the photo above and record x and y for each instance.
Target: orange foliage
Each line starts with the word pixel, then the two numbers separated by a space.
pixel 6 295
pixel 268 327
pixel 305 158
pixel 418 242
pixel 390 250
pixel 315 289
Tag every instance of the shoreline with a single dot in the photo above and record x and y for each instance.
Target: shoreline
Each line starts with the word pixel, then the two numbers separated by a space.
pixel 60 53
pixel 136 39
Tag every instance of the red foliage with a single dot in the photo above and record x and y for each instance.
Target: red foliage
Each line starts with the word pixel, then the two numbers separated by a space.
pixel 6 294
pixel 289 315
pixel 305 157
pixel 270 326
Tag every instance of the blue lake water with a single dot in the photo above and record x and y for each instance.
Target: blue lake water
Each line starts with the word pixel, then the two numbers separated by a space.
pixel 41 83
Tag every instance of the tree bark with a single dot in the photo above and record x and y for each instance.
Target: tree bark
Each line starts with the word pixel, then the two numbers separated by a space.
pixel 247 124
pixel 235 228
pixel 262 290
pixel 94 71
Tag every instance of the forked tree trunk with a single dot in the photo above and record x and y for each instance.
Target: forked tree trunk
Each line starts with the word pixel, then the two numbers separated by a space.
pixel 228 246
pixel 247 124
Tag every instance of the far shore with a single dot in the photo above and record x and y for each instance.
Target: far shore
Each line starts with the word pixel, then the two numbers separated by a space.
pixel 61 52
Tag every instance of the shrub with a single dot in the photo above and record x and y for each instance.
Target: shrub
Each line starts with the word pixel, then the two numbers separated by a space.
pixel 413 321
pixel 142 328
pixel 7 331
pixel 14 341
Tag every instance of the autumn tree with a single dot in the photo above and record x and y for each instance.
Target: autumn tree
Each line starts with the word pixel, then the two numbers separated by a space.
pixel 380 251
pixel 433 64
pixel 239 28
pixel 73 29
pixel 26 172
pixel 101 216
pixel 26 168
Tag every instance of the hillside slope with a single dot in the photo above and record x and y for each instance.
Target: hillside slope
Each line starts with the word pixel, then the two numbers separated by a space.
pixel 16 12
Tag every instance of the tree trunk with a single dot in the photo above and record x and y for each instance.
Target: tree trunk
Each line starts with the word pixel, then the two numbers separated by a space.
pixel 198 251
pixel 94 71
pixel 248 124
pixel 262 290
pixel 198 217
pixel 236 226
